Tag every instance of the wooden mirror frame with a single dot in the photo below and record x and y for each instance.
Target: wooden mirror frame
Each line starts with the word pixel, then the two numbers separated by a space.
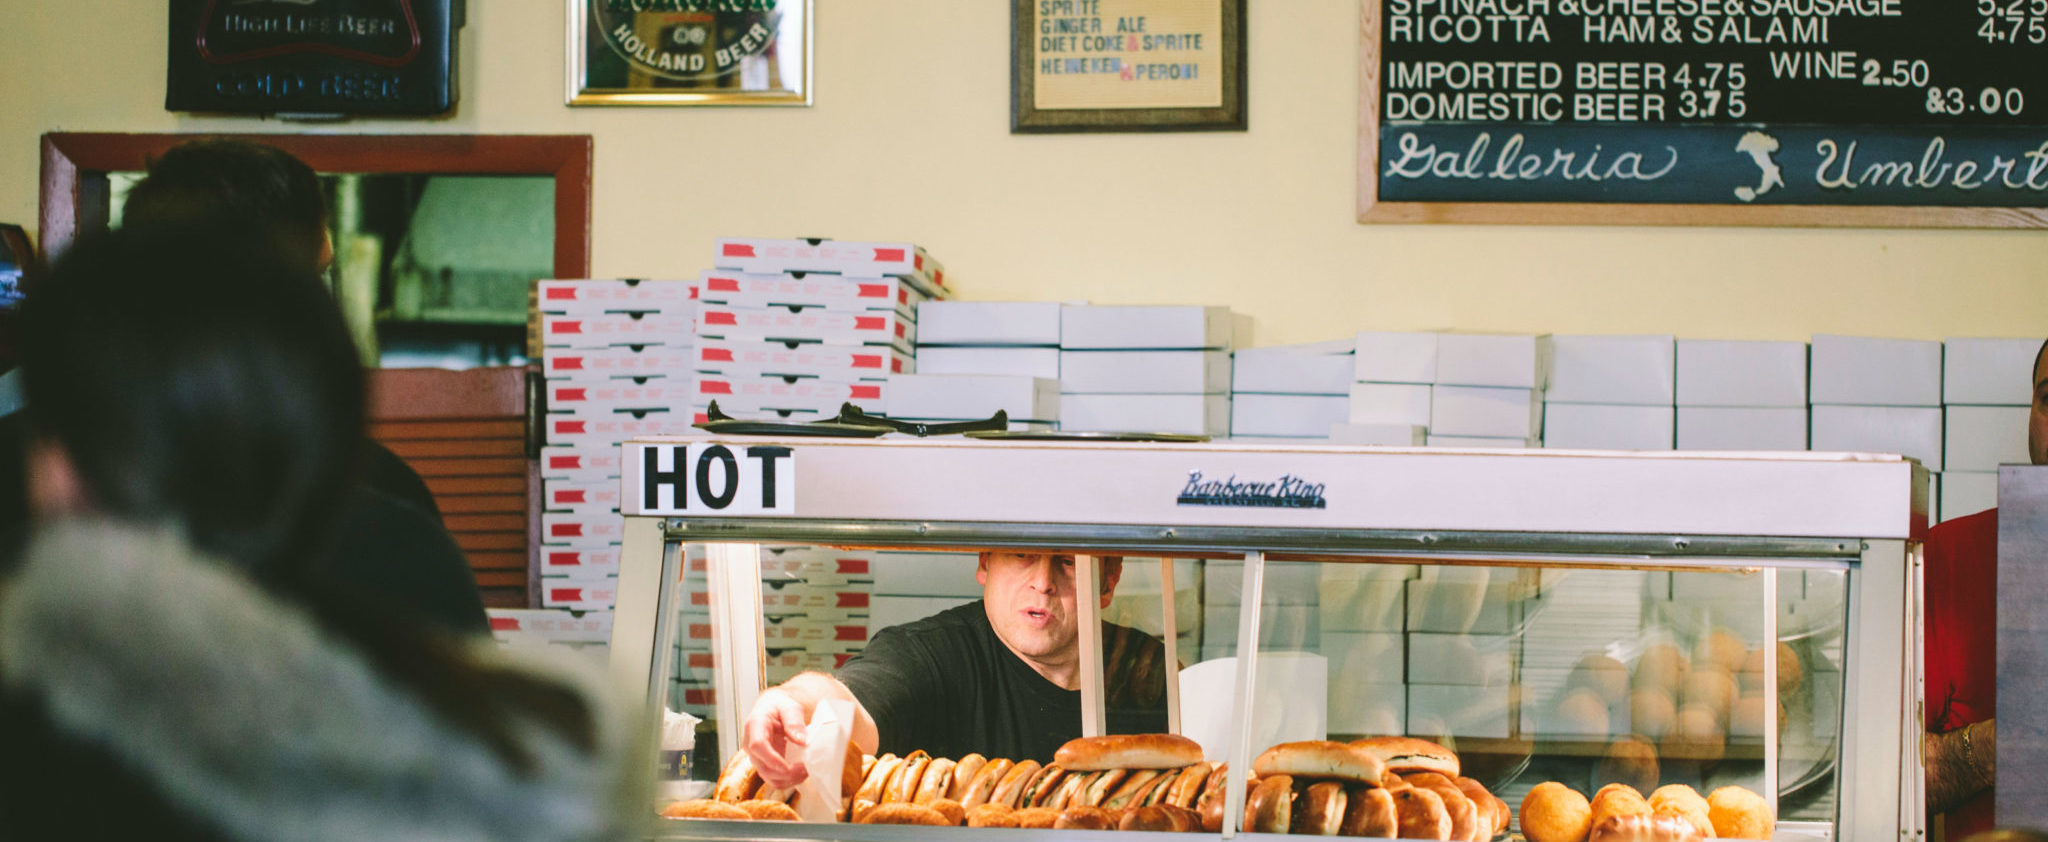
pixel 75 196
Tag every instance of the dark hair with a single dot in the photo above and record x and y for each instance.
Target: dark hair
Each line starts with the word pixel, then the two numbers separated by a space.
pixel 2037 365
pixel 233 185
pixel 200 378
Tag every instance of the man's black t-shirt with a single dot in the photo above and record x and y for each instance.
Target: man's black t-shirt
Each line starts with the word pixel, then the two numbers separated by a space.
pixel 947 684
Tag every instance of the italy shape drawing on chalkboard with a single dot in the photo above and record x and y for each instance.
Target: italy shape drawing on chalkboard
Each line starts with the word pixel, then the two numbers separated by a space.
pixel 1759 146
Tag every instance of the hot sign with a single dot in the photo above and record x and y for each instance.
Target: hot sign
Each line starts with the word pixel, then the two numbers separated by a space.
pixel 709 478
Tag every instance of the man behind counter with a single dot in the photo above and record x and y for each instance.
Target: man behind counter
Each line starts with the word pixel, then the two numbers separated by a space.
pixel 999 677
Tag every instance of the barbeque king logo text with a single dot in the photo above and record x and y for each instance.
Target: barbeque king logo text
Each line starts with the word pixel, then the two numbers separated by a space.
pixel 1287 492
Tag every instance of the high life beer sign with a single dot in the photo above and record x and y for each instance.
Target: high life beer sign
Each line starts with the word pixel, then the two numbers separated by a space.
pixel 322 57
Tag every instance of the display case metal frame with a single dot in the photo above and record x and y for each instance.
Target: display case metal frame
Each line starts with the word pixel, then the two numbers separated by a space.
pixel 1861 514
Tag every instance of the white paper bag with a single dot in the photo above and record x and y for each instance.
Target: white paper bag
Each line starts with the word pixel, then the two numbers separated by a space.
pixel 824 757
pixel 1289 703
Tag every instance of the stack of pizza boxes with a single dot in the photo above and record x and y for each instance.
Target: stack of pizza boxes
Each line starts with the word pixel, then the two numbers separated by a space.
pixel 815 610
pixel 589 633
pixel 790 330
pixel 616 359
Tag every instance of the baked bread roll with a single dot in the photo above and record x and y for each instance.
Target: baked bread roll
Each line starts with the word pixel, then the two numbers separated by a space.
pixel 1618 800
pixel 1320 759
pixel 1085 817
pixel 768 811
pixel 937 779
pixel 1069 786
pixel 1319 809
pixel 954 813
pixel 1408 754
pixel 1644 827
pixel 963 776
pixel 1738 813
pixel 903 783
pixel 903 814
pixel 1270 807
pixel 1137 784
pixel 1369 811
pixel 854 772
pixel 1188 785
pixel 1158 817
pixel 1128 751
pixel 1098 787
pixel 1553 812
pixel 877 778
pixel 1037 818
pixel 1631 760
pixel 739 781
pixel 1603 675
pixel 991 815
pixel 1040 785
pixel 983 784
pixel 1685 801
pixel 1489 807
pixel 1012 784
pixel 705 808
pixel 1421 815
pixel 858 809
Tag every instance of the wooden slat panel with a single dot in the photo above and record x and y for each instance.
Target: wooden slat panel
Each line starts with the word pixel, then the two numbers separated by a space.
pixel 478 504
pixel 429 430
pixel 446 486
pixel 491 540
pixel 411 450
pixel 506 598
pixel 418 393
pixel 509 467
pixel 485 523
pixel 498 560
pixel 501 580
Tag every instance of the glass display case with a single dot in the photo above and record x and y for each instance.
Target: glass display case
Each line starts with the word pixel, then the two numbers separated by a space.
pixel 1582 617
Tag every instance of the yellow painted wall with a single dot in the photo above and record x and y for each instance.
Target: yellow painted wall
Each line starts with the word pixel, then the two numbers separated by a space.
pixel 909 140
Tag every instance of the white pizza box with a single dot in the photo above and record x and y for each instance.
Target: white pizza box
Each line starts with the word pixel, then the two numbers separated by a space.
pixel 972 396
pixel 775 393
pixel 767 255
pixel 1280 627
pixel 1207 415
pixel 577 594
pixel 1636 370
pixel 1362 705
pixel 1287 440
pixel 1379 435
pixel 1727 372
pixel 606 395
pixel 1144 372
pixel 1462 606
pixel 875 327
pixel 581 562
pixel 1364 605
pixel 813 635
pixel 1967 492
pixel 1508 442
pixel 593 295
pixel 580 495
pixel 783 666
pixel 1464 660
pixel 582 529
pixel 837 606
pixel 1451 711
pixel 1868 371
pixel 1385 356
pixel 927 574
pixel 605 330
pixel 809 290
pixel 592 430
pixel 751 410
pixel 897 610
pixel 1602 426
pixel 1981 438
pixel 589 626
pixel 1485 411
pixel 1309 416
pixel 1289 583
pixel 1391 403
pixel 1031 323
pixel 1025 362
pixel 1511 361
pixel 1742 428
pixel 1365 656
pixel 800 592
pixel 751 359
pixel 1325 348
pixel 618 362
pixel 1282 372
pixel 817 565
pixel 1105 327
pixel 580 463
pixel 1988 371
pixel 1906 430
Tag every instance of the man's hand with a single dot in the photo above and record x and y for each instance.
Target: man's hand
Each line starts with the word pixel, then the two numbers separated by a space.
pixel 1960 764
pixel 774 725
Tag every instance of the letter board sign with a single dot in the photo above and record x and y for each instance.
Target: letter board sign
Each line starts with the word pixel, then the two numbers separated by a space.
pixel 708 479
pixel 313 56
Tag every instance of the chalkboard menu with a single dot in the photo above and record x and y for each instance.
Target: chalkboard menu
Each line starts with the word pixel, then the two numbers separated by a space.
pixel 1828 111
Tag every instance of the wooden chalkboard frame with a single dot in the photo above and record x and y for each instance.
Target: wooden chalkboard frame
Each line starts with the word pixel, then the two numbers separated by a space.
pixel 1373 211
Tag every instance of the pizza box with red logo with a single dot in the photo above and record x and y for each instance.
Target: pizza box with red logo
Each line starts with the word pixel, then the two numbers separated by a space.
pixel 588 627
pixel 654 393
pixel 813 635
pixel 579 594
pixel 739 359
pixel 607 429
pixel 581 562
pixel 698 666
pixel 604 330
pixel 766 255
pixel 580 463
pixel 619 361
pixel 568 495
pixel 754 394
pixel 823 605
pixel 583 529
pixel 873 327
pixel 592 295
pixel 808 290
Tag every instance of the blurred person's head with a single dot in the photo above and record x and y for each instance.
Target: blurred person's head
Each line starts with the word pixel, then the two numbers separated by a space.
pixel 1031 600
pixel 2037 418
pixel 194 377
pixel 235 185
